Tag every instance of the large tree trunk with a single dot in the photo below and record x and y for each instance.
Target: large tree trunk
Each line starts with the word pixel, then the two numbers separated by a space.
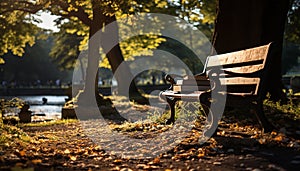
pixel 114 56
pixel 91 83
pixel 124 77
pixel 242 24
pixel 273 30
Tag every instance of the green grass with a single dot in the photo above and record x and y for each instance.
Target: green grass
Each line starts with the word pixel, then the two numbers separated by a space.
pixel 10 135
pixel 183 110
pixel 14 135
pixel 290 109
pixel 48 123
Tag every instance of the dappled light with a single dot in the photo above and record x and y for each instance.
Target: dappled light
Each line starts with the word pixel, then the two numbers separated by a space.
pixel 149 85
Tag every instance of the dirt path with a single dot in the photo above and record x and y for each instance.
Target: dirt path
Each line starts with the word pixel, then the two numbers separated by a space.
pixel 66 147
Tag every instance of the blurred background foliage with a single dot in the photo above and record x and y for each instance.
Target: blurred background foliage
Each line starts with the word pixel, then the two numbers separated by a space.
pixel 39 48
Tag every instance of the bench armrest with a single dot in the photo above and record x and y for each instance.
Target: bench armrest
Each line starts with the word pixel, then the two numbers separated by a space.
pixel 171 79
pixel 201 76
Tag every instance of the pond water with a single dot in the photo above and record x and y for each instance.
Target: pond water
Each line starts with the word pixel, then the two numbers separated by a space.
pixel 50 110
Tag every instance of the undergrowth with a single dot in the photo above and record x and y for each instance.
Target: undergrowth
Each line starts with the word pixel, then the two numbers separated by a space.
pixel 276 110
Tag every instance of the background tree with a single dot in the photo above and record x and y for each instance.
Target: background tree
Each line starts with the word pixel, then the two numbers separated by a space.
pixel 86 17
pixel 94 15
pixel 291 54
pixel 292 33
pixel 66 49
pixel 16 32
pixel 35 64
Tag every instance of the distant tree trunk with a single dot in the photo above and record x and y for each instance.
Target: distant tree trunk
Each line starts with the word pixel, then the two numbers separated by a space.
pixel 242 24
pixel 91 84
pixel 114 56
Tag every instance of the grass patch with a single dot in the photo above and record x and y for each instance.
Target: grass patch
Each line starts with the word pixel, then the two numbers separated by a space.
pixel 183 110
pixel 290 110
pixel 12 135
pixel 48 123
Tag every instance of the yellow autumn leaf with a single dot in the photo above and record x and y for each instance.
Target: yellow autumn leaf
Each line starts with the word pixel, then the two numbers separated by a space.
pixel 73 158
pixel 67 151
pixel 156 160
pixel 273 133
pixel 162 4
pixel 86 153
pixel 22 153
pixel 201 154
pixel 262 141
pixel 72 8
pixel 278 138
pixel 2 61
pixel 71 31
pixel 117 161
pixel 36 161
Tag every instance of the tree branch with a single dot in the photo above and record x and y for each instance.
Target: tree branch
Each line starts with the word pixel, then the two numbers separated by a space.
pixel 80 13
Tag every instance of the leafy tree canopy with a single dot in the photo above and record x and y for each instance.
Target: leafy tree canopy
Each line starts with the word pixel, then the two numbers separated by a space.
pixel 16 32
pixel 79 15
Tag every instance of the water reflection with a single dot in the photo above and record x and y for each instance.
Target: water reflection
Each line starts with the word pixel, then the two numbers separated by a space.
pixel 50 110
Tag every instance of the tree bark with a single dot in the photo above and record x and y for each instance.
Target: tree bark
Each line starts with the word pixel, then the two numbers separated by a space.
pixel 245 24
pixel 114 55
pixel 91 83
pixel 115 58
pixel 273 31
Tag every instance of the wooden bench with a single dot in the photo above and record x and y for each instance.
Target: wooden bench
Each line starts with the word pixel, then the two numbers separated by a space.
pixel 238 77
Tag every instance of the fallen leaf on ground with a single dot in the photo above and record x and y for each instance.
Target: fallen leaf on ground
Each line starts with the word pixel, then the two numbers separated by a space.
pixel 278 138
pixel 73 158
pixel 36 161
pixel 117 161
pixel 156 160
pixel 22 153
pixel 67 151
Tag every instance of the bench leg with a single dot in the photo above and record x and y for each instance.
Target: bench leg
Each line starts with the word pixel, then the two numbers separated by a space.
pixel 206 104
pixel 262 119
pixel 205 107
pixel 171 103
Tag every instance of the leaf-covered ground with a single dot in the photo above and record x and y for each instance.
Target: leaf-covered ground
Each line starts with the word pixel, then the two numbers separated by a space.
pixel 238 145
pixel 66 147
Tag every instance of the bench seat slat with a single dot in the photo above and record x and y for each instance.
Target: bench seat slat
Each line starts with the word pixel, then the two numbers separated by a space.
pixel 190 88
pixel 241 85
pixel 192 96
pixel 244 56
pixel 239 81
pixel 196 95
pixel 246 69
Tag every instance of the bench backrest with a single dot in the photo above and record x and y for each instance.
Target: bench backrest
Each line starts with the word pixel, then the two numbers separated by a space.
pixel 249 66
